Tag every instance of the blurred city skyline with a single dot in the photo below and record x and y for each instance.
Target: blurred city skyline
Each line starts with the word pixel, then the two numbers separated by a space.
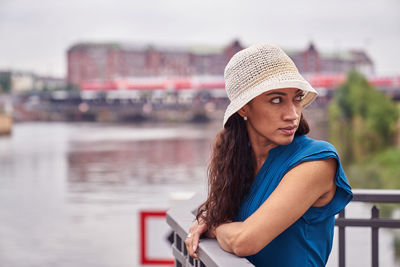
pixel 36 35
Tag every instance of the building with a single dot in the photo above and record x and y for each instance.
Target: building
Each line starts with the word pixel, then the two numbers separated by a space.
pixel 102 62
pixel 47 83
pixel 21 81
pixel 24 81
pixel 311 61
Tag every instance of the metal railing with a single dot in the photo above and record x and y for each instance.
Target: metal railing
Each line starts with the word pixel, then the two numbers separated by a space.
pixel 369 196
pixel 180 219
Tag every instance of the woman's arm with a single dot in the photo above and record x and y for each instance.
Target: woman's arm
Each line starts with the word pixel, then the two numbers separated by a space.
pixel 298 190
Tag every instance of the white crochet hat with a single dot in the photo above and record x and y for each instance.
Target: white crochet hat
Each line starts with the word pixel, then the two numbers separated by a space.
pixel 258 69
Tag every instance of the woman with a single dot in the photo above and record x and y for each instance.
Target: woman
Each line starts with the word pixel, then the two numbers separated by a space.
pixel 273 192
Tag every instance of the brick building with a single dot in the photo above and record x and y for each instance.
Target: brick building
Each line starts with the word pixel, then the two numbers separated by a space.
pixel 310 61
pixel 110 61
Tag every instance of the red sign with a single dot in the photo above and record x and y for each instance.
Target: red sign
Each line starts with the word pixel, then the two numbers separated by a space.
pixel 154 245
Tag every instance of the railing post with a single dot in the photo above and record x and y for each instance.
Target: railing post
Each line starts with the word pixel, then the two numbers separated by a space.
pixel 342 242
pixel 375 238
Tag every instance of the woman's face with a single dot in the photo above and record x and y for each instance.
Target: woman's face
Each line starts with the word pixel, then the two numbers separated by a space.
pixel 273 117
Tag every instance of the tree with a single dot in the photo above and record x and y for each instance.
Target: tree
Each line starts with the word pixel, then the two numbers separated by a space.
pixel 5 82
pixel 362 119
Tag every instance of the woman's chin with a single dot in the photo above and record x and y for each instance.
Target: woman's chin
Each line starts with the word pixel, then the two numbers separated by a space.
pixel 286 140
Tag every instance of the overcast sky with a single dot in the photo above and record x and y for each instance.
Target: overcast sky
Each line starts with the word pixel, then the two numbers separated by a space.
pixel 34 35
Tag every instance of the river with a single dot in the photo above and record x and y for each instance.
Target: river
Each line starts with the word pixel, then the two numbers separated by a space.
pixel 70 193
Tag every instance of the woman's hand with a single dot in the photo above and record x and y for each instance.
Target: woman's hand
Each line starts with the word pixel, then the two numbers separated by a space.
pixel 192 240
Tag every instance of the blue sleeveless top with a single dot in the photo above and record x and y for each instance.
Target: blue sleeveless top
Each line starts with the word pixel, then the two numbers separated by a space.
pixel 308 241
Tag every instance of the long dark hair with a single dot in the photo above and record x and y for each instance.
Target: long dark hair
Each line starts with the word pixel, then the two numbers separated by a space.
pixel 231 171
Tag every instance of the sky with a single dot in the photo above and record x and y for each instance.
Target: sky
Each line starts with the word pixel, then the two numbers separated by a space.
pixel 35 35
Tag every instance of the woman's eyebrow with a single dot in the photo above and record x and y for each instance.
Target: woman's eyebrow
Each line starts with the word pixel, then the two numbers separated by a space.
pixel 276 93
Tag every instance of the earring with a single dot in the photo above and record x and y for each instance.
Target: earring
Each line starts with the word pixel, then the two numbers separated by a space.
pixel 245 118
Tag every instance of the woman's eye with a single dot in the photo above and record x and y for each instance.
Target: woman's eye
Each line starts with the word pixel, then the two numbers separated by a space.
pixel 276 100
pixel 300 97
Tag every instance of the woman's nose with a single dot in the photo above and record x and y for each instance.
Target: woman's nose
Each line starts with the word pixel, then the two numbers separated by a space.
pixel 291 112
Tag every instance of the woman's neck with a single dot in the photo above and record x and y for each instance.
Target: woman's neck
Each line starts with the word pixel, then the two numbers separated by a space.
pixel 261 150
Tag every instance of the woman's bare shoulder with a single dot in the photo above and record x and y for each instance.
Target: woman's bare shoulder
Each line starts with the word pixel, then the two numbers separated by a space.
pixel 316 173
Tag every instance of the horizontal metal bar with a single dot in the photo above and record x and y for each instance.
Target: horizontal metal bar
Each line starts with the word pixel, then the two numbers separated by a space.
pixel 378 196
pixel 379 223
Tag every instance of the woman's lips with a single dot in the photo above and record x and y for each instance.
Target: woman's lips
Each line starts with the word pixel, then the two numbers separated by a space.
pixel 289 130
